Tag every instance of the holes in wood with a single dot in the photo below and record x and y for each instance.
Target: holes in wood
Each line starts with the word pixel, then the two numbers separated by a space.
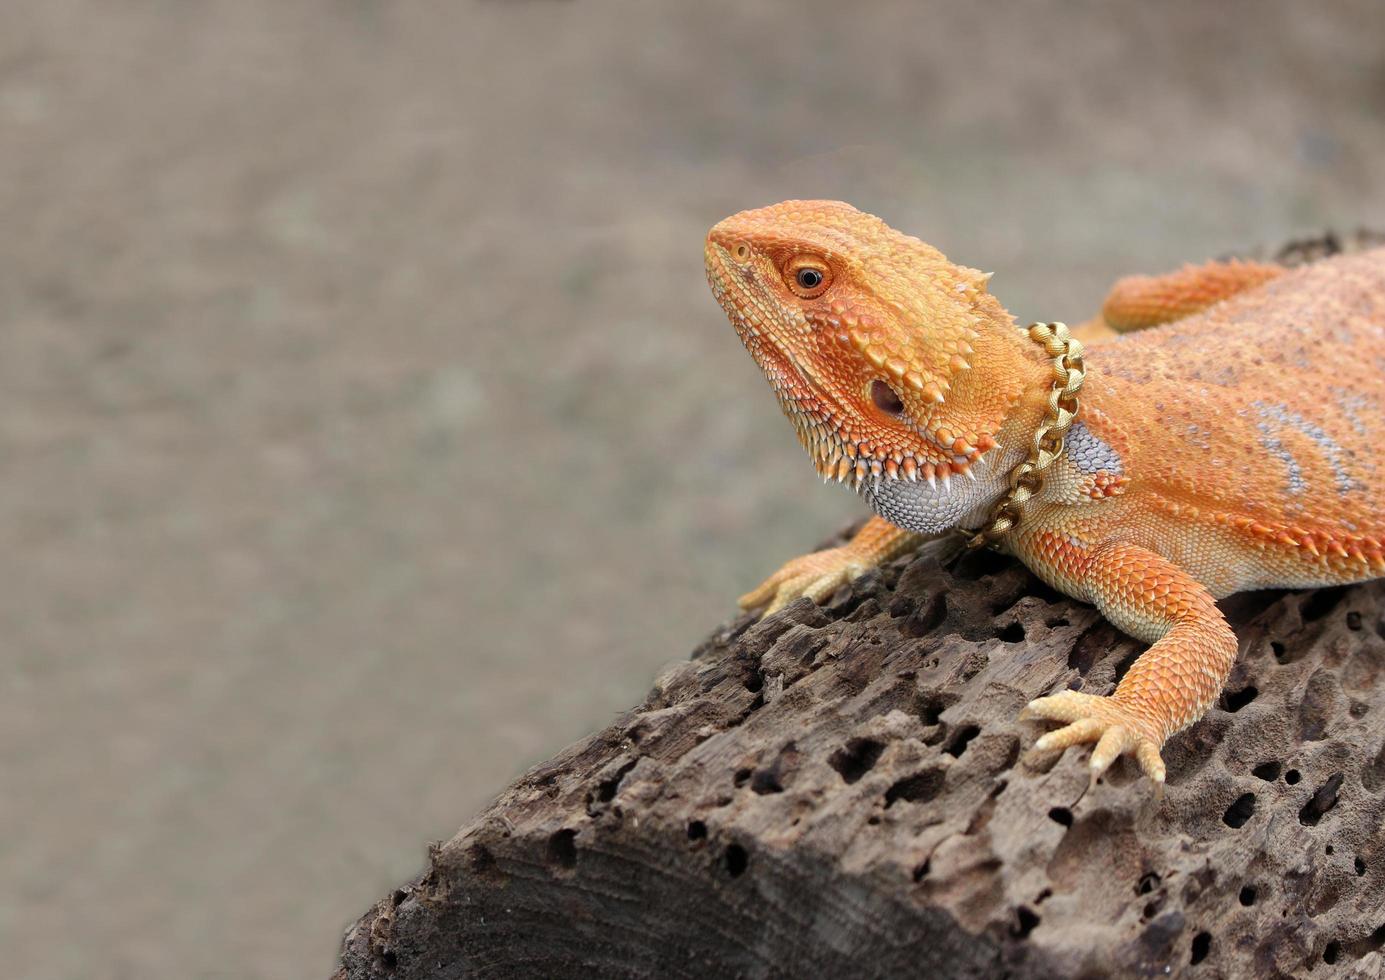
pixel 919 788
pixel 766 781
pixel 562 848
pixel 607 789
pixel 1025 921
pixel 856 758
pixel 1370 944
pixel 1014 633
pixel 1090 647
pixel 1239 811
pixel 932 704
pixel 925 618
pixel 959 741
pixel 1323 799
pixel 1321 602
pixel 1236 700
pixel 736 860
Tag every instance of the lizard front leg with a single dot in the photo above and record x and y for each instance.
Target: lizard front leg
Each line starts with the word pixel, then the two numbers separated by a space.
pixel 1171 685
pixel 818 574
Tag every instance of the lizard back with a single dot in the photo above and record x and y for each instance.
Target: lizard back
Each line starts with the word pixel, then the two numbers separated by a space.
pixel 1266 410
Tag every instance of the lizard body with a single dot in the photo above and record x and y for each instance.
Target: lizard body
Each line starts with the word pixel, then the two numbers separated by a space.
pixel 1233 447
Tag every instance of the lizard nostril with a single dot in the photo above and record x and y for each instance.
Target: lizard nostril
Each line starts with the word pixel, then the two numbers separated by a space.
pixel 740 252
pixel 885 398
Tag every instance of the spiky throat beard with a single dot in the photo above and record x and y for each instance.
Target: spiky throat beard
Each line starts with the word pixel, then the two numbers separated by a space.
pixel 857 461
pixel 855 450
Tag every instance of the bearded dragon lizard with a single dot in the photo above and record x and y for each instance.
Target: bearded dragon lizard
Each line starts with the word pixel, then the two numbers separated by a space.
pixel 1229 439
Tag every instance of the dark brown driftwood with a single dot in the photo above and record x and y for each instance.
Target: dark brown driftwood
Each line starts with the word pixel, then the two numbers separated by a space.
pixel 838 792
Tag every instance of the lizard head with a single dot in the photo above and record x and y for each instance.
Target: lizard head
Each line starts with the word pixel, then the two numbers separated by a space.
pixel 868 337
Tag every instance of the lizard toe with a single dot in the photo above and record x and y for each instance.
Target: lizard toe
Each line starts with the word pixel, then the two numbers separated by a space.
pixel 1112 725
pixel 1077 733
pixel 816 576
pixel 760 596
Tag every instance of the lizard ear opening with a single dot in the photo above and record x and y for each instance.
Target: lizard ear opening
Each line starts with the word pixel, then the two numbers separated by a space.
pixel 886 399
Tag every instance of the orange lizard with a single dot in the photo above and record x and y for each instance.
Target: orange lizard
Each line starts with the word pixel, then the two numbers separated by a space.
pixel 1230 439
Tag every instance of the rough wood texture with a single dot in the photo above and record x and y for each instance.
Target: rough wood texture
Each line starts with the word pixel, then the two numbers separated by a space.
pixel 840 792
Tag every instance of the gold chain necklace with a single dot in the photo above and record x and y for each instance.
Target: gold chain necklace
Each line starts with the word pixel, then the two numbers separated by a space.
pixel 1026 479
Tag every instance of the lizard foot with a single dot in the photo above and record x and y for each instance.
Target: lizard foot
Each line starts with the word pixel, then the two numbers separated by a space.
pixel 815 575
pixel 1113 725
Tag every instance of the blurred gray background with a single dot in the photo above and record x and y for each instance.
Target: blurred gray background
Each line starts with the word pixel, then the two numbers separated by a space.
pixel 368 433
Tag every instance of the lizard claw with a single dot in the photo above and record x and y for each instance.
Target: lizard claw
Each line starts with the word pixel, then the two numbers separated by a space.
pixel 815 575
pixel 1113 725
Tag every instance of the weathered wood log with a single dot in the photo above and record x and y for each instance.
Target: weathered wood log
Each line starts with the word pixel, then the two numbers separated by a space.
pixel 840 791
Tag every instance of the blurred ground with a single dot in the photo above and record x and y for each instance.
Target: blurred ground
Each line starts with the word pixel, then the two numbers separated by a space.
pixel 367 431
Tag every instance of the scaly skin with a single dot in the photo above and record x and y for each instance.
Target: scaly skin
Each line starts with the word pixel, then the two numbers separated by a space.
pixel 1235 447
pixel 1136 302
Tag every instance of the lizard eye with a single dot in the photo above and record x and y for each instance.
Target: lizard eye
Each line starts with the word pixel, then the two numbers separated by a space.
pixel 808 276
